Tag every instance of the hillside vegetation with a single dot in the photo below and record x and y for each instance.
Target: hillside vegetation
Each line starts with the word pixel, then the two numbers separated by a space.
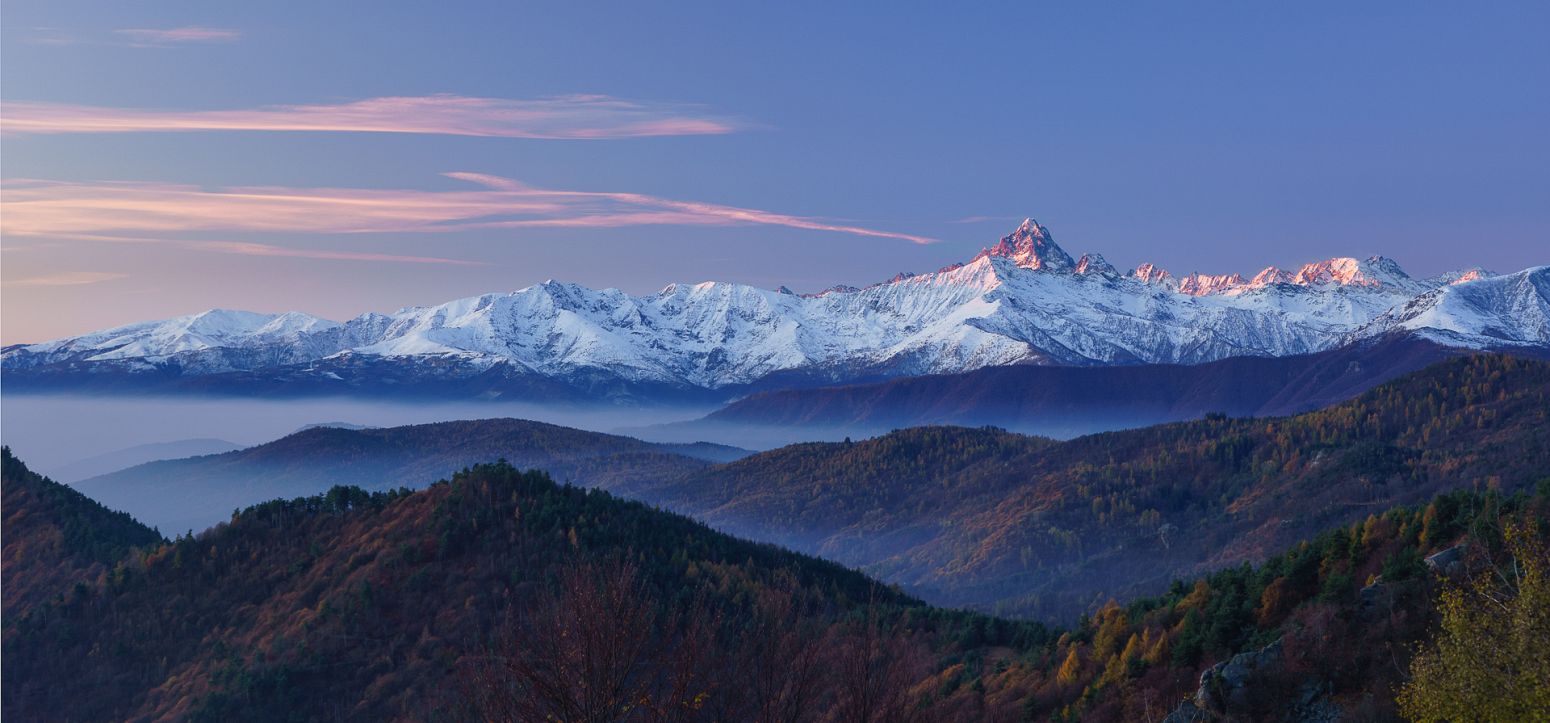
pixel 1028 526
pixel 356 604
pixel 55 537
pixel 500 595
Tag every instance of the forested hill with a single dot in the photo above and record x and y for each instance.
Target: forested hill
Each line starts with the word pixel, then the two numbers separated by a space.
pixel 387 605
pixel 55 537
pixel 502 596
pixel 194 493
pixel 1030 526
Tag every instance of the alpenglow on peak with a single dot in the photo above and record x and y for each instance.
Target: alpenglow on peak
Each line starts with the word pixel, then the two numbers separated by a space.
pixel 1032 246
pixel 1022 301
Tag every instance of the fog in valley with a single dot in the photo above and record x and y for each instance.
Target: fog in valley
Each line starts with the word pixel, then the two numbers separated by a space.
pixel 53 432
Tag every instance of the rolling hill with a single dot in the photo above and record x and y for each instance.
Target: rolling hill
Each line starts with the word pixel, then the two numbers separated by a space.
pixel 56 537
pixel 500 595
pixel 977 517
pixel 1001 521
pixel 194 493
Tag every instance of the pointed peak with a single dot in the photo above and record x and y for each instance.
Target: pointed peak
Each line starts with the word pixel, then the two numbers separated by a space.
pixel 783 290
pixel 1151 274
pixel 1031 246
pixel 1094 263
pixel 1271 275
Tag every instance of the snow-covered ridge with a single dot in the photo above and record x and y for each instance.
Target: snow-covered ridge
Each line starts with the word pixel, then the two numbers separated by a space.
pixel 1022 300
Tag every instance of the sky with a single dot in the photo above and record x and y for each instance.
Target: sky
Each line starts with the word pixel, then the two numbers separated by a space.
pixel 161 158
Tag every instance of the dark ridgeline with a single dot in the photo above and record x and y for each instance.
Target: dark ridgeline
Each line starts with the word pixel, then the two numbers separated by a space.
pixel 194 493
pixel 55 537
pixel 1066 401
pixel 502 596
pixel 998 521
pixel 1028 526
pixel 429 605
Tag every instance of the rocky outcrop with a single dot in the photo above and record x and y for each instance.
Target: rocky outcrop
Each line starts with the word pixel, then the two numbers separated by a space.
pixel 1234 690
pixel 1449 562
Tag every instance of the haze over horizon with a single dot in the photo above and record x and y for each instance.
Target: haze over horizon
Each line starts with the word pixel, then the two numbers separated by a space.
pixel 160 160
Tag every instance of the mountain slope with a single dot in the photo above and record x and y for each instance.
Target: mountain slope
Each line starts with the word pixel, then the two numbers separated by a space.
pixel 444 604
pixel 139 454
pixel 1067 401
pixel 984 517
pixel 385 606
pixel 1021 301
pixel 191 494
pixel 56 537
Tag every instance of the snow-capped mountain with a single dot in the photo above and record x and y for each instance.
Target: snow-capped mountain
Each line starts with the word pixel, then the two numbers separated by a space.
pixel 1023 300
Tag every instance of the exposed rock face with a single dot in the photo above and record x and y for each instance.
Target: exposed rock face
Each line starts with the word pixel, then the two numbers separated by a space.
pixel 1224 686
pixel 1032 247
pixel 1228 692
pixel 1448 562
pixel 1095 264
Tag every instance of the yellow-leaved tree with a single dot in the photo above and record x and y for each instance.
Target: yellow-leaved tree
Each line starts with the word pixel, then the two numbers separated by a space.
pixel 1491 658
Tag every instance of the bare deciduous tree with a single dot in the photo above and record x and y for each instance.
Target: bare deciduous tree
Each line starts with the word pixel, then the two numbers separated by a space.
pixel 876 669
pixel 590 651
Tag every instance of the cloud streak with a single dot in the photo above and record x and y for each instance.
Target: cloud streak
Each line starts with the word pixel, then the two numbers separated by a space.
pixel 56 208
pixel 248 248
pixel 173 36
pixel 573 117
pixel 68 278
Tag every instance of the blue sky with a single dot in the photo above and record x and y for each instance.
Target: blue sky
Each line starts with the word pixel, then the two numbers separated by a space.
pixel 1215 137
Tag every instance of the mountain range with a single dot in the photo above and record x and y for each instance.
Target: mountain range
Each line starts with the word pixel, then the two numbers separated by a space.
pixel 1066 401
pixel 1023 300
pixel 966 516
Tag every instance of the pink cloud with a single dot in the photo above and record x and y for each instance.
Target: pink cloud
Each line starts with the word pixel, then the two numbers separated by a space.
pixel 577 117
pixel 189 34
pixel 256 249
pixel 55 208
pixel 68 278
pixel 246 248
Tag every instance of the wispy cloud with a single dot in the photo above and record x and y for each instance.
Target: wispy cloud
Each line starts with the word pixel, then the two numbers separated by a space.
pixel 57 208
pixel 134 37
pixel 52 36
pixel 174 36
pixel 244 248
pixel 248 248
pixel 68 278
pixel 574 117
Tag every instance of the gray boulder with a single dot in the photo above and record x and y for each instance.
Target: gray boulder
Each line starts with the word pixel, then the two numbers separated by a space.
pixel 1448 562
